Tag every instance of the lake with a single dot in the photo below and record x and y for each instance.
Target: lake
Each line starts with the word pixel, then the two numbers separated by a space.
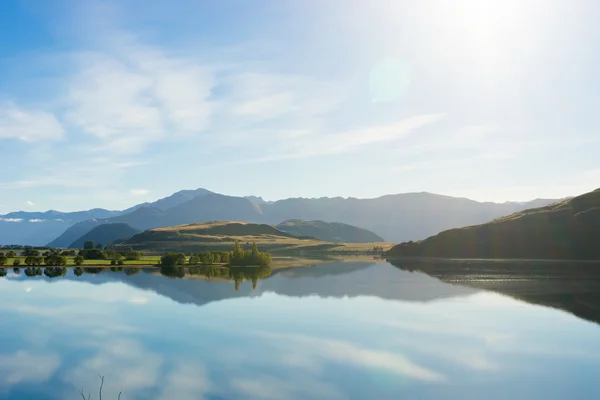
pixel 340 330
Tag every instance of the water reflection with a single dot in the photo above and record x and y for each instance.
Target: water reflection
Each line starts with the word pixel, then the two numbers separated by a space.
pixel 335 331
pixel 570 286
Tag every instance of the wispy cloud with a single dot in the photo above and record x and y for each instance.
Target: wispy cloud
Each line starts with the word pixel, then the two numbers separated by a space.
pixel 30 203
pixel 11 219
pixel 322 144
pixel 28 125
pixel 133 96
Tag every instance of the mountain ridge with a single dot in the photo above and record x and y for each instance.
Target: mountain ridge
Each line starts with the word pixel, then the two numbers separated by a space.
pixel 567 229
pixel 394 217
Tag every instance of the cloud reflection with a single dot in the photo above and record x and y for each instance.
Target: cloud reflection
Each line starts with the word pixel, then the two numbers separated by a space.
pixel 349 354
pixel 27 367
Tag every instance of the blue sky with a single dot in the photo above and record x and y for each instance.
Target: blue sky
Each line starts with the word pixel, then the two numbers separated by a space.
pixel 111 103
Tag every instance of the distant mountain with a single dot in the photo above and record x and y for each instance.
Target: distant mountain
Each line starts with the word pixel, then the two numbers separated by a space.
pixel 141 218
pixel 395 218
pixel 568 229
pixel 329 231
pixel 105 234
pixel 172 201
pixel 38 228
pixel 257 199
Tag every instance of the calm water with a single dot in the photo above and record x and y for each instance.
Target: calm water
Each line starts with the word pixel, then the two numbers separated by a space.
pixel 336 331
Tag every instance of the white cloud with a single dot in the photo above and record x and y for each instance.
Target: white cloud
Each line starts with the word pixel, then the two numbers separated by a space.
pixel 28 125
pixel 30 203
pixel 11 219
pixel 139 192
pixel 35 220
pixel 23 366
pixel 137 95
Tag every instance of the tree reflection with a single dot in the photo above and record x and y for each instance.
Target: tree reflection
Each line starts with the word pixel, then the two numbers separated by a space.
pixel 131 271
pixel 237 274
pixel 32 271
pixel 173 272
pixel 93 270
pixel 53 272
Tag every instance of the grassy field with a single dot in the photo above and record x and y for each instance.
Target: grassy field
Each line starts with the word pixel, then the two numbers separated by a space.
pixel 221 236
pixel 144 261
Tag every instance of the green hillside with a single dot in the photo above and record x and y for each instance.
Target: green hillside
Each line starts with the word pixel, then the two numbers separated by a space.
pixel 221 235
pixel 569 229
pixel 329 231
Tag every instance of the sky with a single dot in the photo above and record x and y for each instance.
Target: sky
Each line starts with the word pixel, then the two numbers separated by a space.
pixel 113 103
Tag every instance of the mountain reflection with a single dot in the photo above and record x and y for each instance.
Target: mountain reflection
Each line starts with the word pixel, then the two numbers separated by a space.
pixel 204 284
pixel 569 286
pixel 573 287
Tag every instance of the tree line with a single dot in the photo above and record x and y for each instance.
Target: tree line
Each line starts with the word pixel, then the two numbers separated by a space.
pixel 237 257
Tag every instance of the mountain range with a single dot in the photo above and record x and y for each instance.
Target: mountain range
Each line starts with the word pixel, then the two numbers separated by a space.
pixel 568 229
pixel 395 218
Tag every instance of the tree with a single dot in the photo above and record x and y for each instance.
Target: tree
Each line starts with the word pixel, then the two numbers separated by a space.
pixel 92 254
pixel 206 257
pixel 55 260
pixel 3 260
pixel 78 260
pixel 133 255
pixel 171 259
pixel 16 262
pixel 11 254
pixel 89 245
pixel 30 252
pixel 194 260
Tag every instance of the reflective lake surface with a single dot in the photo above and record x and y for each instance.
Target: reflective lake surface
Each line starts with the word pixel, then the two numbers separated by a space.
pixel 335 331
